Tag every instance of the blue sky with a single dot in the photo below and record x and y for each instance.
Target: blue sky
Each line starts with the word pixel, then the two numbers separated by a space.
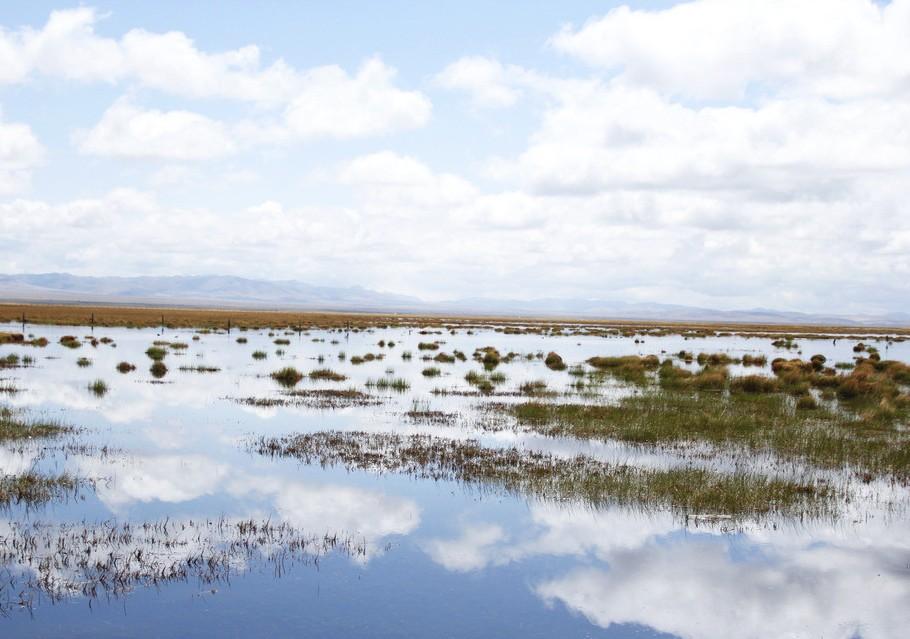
pixel 716 152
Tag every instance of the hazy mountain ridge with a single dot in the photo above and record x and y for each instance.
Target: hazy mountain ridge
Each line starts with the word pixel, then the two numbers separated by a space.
pixel 225 290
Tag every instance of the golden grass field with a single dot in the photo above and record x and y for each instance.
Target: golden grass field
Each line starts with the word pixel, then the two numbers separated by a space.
pixel 221 318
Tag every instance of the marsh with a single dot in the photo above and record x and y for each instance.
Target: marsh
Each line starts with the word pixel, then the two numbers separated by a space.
pixel 545 471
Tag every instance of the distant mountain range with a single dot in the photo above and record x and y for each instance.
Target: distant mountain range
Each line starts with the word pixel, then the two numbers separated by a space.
pixel 239 292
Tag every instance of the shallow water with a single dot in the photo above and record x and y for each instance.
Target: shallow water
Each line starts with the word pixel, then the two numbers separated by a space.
pixel 428 558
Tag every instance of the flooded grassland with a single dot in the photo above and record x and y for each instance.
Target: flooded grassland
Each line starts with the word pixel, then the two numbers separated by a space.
pixel 413 476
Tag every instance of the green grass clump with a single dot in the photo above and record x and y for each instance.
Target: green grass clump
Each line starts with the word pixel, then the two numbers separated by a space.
pixel 83 362
pixel 98 388
pixel 287 376
pixel 155 353
pixel 70 341
pixel 431 371
pixel 488 356
pixel 631 368
pixel 554 362
pixel 754 384
pixel 14 427
pixel 327 374
pixel 34 489
pixel 259 355
pixel 397 384
pixel 752 422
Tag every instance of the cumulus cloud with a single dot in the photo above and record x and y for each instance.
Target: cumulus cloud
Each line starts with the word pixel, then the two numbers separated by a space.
pixel 126 130
pixel 20 153
pixel 331 103
pixel 723 49
pixel 324 101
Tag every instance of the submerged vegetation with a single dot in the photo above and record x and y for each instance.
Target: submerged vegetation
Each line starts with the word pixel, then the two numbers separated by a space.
pixel 687 491
pixel 34 489
pixel 110 559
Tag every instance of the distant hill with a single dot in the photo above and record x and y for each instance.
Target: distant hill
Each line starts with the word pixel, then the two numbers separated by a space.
pixel 229 291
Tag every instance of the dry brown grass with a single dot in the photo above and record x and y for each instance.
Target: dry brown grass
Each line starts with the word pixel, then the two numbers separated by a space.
pixel 112 315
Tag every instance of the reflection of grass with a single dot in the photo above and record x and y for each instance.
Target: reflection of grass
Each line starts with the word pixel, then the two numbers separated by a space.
pixel 200 368
pixel 686 490
pixel 112 559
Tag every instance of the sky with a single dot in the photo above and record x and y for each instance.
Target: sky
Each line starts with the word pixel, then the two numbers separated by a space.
pixel 720 153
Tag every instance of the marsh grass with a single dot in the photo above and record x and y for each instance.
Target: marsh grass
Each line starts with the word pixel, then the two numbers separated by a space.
pixel 34 489
pixel 259 355
pixel 630 368
pixel 687 491
pixel 554 362
pixel 287 376
pixel 125 367
pixel 156 353
pixel 747 421
pixel 70 341
pixel 327 374
pixel 83 362
pixel 397 384
pixel 98 388
pixel 158 369
pixel 13 427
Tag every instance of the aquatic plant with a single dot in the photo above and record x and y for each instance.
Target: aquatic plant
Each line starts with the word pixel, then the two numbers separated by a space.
pixel 287 376
pixel 685 490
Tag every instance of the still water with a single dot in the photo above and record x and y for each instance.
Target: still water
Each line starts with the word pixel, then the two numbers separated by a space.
pixel 409 557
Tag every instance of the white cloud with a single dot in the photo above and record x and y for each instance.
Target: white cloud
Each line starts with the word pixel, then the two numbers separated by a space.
pixel 721 49
pixel 126 130
pixel 324 101
pixel 331 103
pixel 20 152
